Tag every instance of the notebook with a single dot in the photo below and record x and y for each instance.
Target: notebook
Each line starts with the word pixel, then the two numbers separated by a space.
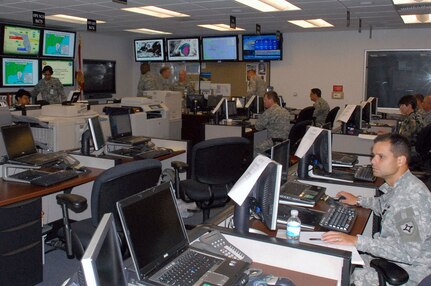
pixel 158 241
pixel 21 149
pixel 121 130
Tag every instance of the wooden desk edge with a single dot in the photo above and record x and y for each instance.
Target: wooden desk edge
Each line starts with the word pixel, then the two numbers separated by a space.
pixel 12 192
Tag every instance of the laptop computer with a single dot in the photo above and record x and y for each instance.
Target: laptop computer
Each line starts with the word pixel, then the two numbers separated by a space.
pixel 343 159
pixel 159 245
pixel 121 130
pixel 21 149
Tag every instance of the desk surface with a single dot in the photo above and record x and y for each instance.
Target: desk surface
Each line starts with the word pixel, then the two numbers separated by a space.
pixel 12 192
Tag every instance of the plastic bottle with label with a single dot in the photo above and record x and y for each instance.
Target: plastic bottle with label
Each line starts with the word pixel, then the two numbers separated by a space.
pixel 293 227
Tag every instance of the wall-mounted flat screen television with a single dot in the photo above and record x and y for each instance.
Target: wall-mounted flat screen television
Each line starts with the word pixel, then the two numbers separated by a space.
pixel 186 49
pixel 21 41
pixel 58 44
pixel 63 70
pixel 262 47
pixel 19 72
pixel 99 77
pixel 220 48
pixel 149 50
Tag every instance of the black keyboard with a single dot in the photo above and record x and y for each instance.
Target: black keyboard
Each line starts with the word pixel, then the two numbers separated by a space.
pixel 342 158
pixel 28 175
pixel 153 153
pixel 127 152
pixel 50 179
pixel 365 173
pixel 188 269
pixel 339 218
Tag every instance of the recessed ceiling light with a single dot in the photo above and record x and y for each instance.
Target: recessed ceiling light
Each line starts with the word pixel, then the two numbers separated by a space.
pixel 148 31
pixel 399 2
pixel 312 23
pixel 220 27
pixel 416 19
pixel 155 11
pixel 269 5
pixel 70 19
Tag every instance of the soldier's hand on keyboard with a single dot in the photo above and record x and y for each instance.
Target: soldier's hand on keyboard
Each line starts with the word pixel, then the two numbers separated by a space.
pixel 347 198
pixel 339 238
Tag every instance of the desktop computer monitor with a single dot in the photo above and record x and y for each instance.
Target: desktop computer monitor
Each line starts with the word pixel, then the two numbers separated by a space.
pixel 102 262
pixel 263 200
pixel 367 112
pixel 280 153
pixel 97 136
pixel 374 105
pixel 354 122
pixel 196 102
pixel 255 104
pixel 229 108
pixel 213 100
pixel 240 102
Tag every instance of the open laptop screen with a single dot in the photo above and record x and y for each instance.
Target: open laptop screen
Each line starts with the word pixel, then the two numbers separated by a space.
pixel 153 226
pixel 18 140
pixel 121 125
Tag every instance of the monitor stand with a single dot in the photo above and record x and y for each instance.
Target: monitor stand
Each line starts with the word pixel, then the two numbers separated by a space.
pixel 334 176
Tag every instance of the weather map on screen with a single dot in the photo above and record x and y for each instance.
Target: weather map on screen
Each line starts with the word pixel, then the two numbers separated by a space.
pixel 183 49
pixel 21 41
pixel 20 72
pixel 58 44
pixel 220 48
pixel 63 70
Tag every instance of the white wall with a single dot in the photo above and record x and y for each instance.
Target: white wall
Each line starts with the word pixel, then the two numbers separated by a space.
pixel 324 59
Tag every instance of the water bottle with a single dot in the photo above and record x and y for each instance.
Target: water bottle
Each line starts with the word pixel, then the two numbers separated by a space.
pixel 293 228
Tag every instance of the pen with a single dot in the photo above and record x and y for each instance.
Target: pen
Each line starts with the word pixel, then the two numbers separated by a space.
pixel 315 238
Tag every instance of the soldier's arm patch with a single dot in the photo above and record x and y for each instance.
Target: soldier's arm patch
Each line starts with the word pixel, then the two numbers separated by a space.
pixel 407 226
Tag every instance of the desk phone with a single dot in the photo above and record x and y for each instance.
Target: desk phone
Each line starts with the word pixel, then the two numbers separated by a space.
pixel 216 243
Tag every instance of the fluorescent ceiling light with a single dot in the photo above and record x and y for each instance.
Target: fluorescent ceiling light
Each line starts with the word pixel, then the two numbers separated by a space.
pixel 148 31
pixel 220 27
pixel 400 2
pixel 416 19
pixel 269 5
pixel 70 19
pixel 312 23
pixel 155 11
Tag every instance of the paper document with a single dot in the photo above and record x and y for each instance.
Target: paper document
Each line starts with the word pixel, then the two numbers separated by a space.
pixel 307 141
pixel 370 99
pixel 345 115
pixel 313 237
pixel 243 186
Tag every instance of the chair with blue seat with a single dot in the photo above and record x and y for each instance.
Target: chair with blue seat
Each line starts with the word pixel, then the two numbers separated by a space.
pixel 112 185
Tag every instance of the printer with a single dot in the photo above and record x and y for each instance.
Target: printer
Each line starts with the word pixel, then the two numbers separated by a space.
pixel 152 120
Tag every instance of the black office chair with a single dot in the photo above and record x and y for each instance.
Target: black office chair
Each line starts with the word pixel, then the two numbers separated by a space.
pixel 305 114
pixel 421 161
pixel 109 187
pixel 330 118
pixel 296 133
pixel 216 164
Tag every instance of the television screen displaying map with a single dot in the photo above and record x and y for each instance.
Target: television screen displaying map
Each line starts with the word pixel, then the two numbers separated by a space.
pixel 58 44
pixel 63 70
pixel 21 41
pixel 20 72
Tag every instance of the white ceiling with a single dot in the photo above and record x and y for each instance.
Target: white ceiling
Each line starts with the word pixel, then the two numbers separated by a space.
pixel 380 14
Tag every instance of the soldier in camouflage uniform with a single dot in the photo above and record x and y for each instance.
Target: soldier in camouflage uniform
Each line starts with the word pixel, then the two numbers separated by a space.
pixel 275 119
pixel 49 87
pixel 165 78
pixel 256 85
pixel 148 80
pixel 413 123
pixel 427 110
pixel 321 107
pixel 405 209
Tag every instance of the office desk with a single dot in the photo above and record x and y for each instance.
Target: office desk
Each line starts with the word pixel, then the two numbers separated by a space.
pixel 21 228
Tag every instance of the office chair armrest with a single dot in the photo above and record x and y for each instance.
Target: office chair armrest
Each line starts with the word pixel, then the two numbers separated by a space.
pixel 389 272
pixel 179 166
pixel 76 203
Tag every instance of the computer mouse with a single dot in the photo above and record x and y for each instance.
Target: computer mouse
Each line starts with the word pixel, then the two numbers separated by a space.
pixel 341 198
pixel 82 170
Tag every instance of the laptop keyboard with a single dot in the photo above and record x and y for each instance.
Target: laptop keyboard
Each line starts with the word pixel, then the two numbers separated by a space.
pixel 28 175
pixel 54 178
pixel 365 173
pixel 39 158
pixel 188 268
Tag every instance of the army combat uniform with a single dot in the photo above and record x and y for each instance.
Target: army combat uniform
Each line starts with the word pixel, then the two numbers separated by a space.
pixel 321 110
pixel 404 238
pixel 277 122
pixel 51 90
pixel 256 86
pixel 148 81
pixel 411 126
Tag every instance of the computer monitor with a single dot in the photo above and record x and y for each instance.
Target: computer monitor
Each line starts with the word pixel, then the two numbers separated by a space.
pixel 102 262
pixel 240 102
pixel 280 153
pixel 217 108
pixel 196 102
pixel 213 100
pixel 366 112
pixel 374 104
pixel 263 200
pixel 97 136
pixel 229 108
pixel 354 122
pixel 319 153
pixel 255 104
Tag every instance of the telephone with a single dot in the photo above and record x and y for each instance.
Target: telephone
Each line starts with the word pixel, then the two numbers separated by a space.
pixel 216 243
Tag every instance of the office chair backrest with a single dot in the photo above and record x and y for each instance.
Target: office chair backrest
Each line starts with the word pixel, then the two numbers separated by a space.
pixel 219 161
pixel 423 142
pixel 331 115
pixel 296 133
pixel 305 114
pixel 120 182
